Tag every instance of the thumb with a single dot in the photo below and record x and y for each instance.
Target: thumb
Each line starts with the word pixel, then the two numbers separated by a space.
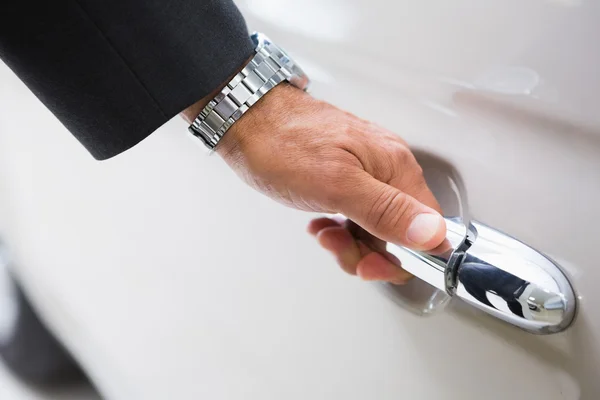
pixel 393 215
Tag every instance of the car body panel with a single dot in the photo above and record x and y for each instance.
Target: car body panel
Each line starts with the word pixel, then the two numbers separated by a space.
pixel 168 278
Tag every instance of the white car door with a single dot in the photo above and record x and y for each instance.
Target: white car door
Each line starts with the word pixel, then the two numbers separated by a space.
pixel 168 278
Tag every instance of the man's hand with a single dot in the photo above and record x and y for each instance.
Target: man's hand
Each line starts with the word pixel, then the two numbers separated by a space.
pixel 312 156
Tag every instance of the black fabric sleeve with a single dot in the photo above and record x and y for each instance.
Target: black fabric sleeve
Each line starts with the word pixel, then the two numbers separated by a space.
pixel 113 71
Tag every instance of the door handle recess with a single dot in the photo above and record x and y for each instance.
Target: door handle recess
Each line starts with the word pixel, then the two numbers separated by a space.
pixel 497 274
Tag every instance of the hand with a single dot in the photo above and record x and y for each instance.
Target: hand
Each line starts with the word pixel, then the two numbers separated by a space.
pixel 312 156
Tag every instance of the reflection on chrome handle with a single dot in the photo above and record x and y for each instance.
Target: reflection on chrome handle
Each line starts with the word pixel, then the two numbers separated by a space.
pixel 498 274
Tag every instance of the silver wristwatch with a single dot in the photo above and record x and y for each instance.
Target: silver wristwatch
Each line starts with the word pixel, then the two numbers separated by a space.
pixel 270 66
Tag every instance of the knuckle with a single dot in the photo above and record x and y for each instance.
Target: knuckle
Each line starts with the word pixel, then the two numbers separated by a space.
pixel 402 155
pixel 346 127
pixel 407 165
pixel 418 172
pixel 399 164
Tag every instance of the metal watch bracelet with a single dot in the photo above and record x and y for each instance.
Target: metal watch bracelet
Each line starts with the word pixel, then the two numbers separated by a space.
pixel 269 67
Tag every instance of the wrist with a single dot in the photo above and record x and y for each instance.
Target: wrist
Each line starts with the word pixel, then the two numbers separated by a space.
pixel 269 67
pixel 263 121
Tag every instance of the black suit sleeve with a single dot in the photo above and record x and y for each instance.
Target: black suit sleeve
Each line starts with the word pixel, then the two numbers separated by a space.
pixel 113 71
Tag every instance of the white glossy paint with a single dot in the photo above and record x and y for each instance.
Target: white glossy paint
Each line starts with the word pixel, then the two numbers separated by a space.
pixel 115 254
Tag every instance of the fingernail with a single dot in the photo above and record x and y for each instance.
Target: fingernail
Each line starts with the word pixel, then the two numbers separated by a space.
pixel 423 228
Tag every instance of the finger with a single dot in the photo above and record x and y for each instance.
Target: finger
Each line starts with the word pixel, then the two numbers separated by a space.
pixel 375 267
pixel 360 235
pixel 318 224
pixel 369 265
pixel 369 243
pixel 340 242
pixel 392 215
pixel 364 237
pixel 372 268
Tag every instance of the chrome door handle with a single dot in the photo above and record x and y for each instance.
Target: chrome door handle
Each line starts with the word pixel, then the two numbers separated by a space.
pixel 497 274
